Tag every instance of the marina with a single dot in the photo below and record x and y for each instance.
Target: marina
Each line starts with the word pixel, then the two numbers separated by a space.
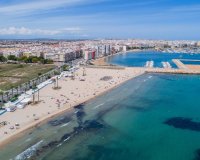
pixel 166 65
pixel 140 58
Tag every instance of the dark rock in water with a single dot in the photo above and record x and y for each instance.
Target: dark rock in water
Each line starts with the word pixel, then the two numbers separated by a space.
pixel 60 121
pixel 77 129
pixel 92 124
pixel 55 123
pixel 183 123
pixel 65 137
pixel 65 119
pixel 49 145
pixel 88 125
pixel 52 144
pixel 197 154
pixel 80 114
pixel 80 106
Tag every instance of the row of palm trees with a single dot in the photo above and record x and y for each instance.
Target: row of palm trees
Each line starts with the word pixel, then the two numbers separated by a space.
pixel 15 91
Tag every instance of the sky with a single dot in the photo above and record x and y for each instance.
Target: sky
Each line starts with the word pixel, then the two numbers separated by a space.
pixel 92 19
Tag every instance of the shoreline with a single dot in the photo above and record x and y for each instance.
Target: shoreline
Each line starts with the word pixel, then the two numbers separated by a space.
pixel 34 124
pixel 102 60
pixel 125 74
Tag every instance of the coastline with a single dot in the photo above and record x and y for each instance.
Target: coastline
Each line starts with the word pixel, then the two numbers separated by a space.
pixel 66 108
pixel 102 60
pixel 87 90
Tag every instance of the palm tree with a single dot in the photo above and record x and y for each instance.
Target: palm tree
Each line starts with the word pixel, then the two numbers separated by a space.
pixel 2 94
pixel 12 91
pixel 26 86
pixel 57 81
pixel 38 95
pixel 7 95
pixel 34 88
pixel 20 88
pixel 29 84
pixel 33 97
pixel 17 90
pixel 54 82
pixel 84 72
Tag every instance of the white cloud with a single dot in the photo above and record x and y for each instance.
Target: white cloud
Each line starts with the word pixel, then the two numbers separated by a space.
pixel 28 31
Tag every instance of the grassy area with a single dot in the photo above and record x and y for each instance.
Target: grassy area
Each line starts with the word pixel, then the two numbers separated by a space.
pixel 12 75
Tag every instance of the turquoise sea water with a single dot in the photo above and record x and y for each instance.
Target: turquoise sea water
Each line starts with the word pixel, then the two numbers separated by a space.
pixel 151 117
pixel 139 59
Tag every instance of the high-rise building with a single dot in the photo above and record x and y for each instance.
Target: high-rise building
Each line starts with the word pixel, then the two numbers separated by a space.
pixel 107 49
pixel 104 50
pixel 97 51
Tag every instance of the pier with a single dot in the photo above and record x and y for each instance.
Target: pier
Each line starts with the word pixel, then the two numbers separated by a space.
pixel 166 65
pixel 179 64
pixel 171 71
pixel 149 68
pixel 149 64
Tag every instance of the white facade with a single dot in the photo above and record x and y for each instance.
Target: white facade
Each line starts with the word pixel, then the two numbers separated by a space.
pixel 124 49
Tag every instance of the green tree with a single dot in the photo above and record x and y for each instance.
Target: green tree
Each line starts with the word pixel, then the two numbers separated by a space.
pixel 65 67
pixel 49 61
pixel 23 59
pixel 2 58
pixel 34 60
pixel 12 57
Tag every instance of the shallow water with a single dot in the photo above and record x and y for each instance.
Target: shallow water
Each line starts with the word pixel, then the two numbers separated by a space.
pixel 152 117
pixel 139 59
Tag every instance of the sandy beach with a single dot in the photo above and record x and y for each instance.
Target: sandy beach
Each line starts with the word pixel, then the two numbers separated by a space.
pixel 72 92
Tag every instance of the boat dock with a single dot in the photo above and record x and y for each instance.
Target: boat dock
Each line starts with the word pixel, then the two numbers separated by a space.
pixel 149 64
pixel 166 65
pixel 179 64
pixel 171 71
pixel 167 68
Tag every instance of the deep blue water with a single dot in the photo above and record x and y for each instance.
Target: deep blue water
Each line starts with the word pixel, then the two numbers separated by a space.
pixel 139 59
pixel 190 62
pixel 151 117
